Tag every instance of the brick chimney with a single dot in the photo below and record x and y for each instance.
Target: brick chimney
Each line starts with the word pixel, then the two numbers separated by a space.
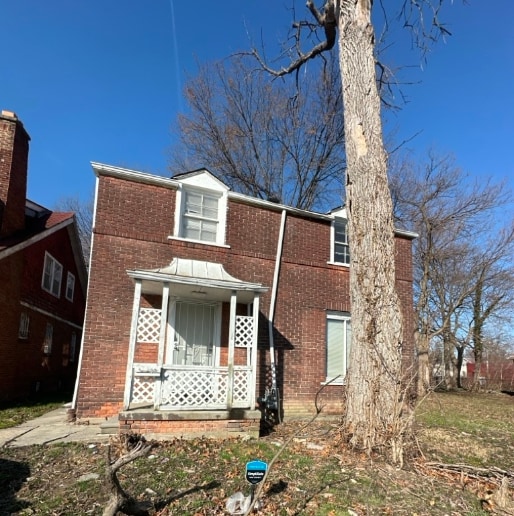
pixel 14 153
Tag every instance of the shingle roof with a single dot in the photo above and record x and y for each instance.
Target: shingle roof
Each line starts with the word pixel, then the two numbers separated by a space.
pixel 35 223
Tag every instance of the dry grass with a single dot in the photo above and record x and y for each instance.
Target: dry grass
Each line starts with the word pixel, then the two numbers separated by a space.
pixel 315 476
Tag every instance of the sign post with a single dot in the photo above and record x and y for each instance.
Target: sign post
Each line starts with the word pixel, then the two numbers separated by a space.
pixel 255 473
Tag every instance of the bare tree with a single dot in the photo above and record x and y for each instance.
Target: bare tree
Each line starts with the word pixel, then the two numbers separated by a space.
pixel 460 257
pixel 493 293
pixel 84 217
pixel 377 411
pixel 272 140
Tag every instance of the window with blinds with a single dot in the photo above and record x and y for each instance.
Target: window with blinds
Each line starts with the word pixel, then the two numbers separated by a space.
pixel 339 337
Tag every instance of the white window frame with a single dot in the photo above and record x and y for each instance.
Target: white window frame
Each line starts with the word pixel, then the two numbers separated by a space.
pixel 52 275
pixel 337 353
pixel 49 336
pixel 205 185
pixel 344 243
pixel 23 331
pixel 197 213
pixel 70 286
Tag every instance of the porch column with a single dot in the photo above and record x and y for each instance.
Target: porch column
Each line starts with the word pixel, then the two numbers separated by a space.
pixel 255 341
pixel 231 348
pixel 162 343
pixel 132 344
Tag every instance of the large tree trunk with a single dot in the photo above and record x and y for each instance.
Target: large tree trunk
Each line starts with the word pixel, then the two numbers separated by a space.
pixel 375 395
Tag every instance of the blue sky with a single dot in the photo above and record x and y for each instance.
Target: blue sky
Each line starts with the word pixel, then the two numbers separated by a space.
pixel 101 80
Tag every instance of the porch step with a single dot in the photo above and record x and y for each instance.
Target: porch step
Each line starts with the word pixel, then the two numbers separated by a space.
pixel 110 426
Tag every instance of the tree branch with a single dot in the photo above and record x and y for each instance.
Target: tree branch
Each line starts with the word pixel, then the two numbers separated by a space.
pixel 327 19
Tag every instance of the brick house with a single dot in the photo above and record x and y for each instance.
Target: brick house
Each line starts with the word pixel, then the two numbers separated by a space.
pixel 206 307
pixel 42 277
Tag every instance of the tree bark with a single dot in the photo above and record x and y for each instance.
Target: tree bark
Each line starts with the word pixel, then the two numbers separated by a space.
pixel 374 416
pixel 450 380
pixel 424 374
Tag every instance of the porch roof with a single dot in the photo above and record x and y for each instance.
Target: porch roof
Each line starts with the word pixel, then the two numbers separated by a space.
pixel 196 278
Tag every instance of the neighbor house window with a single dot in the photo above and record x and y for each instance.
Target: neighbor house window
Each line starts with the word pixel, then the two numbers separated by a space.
pixel 73 346
pixel 52 275
pixel 339 338
pixel 69 350
pixel 23 331
pixel 70 286
pixel 49 335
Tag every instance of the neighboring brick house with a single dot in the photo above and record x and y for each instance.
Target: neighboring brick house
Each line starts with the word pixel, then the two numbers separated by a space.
pixel 42 281
pixel 497 373
pixel 204 303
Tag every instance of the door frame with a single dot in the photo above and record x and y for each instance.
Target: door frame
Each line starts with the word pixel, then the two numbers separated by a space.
pixel 170 333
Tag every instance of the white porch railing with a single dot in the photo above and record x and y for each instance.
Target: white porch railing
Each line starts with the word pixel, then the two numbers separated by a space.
pixel 191 388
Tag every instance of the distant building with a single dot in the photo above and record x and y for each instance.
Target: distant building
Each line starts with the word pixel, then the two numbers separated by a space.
pixel 495 374
pixel 205 304
pixel 42 280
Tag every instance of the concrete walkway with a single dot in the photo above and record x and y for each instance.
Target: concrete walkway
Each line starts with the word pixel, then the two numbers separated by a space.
pixel 52 427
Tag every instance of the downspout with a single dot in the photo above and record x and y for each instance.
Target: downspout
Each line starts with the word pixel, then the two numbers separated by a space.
pixel 82 338
pixel 274 290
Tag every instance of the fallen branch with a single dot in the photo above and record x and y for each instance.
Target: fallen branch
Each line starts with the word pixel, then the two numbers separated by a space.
pixel 498 500
pixel 493 473
pixel 120 500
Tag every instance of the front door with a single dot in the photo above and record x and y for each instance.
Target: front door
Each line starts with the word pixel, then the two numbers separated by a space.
pixel 196 335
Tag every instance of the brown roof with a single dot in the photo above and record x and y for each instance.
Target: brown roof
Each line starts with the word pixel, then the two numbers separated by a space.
pixel 35 225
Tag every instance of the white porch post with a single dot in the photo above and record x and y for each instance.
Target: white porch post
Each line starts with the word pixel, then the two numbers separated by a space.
pixel 132 344
pixel 231 348
pixel 255 336
pixel 162 343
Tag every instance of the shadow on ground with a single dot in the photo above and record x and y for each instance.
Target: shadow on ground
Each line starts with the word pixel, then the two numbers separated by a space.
pixel 12 476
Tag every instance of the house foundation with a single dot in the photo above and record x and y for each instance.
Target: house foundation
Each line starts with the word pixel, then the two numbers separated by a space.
pixel 190 424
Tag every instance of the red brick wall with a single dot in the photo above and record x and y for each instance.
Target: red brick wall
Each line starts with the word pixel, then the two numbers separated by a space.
pixel 11 270
pixel 133 224
pixel 25 366
pixel 59 246
pixel 14 149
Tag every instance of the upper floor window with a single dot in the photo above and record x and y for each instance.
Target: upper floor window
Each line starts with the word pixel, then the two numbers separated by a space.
pixel 339 241
pixel 70 286
pixel 339 339
pixel 52 275
pixel 341 245
pixel 201 208
pixel 200 219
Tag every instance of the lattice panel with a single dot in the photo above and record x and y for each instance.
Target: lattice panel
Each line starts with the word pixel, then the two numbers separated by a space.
pixel 194 389
pixel 242 385
pixel 143 389
pixel 244 331
pixel 149 325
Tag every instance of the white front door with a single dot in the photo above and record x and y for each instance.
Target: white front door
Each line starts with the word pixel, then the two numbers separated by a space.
pixel 195 339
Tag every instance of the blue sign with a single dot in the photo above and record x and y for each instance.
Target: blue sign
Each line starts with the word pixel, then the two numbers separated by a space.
pixel 255 471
